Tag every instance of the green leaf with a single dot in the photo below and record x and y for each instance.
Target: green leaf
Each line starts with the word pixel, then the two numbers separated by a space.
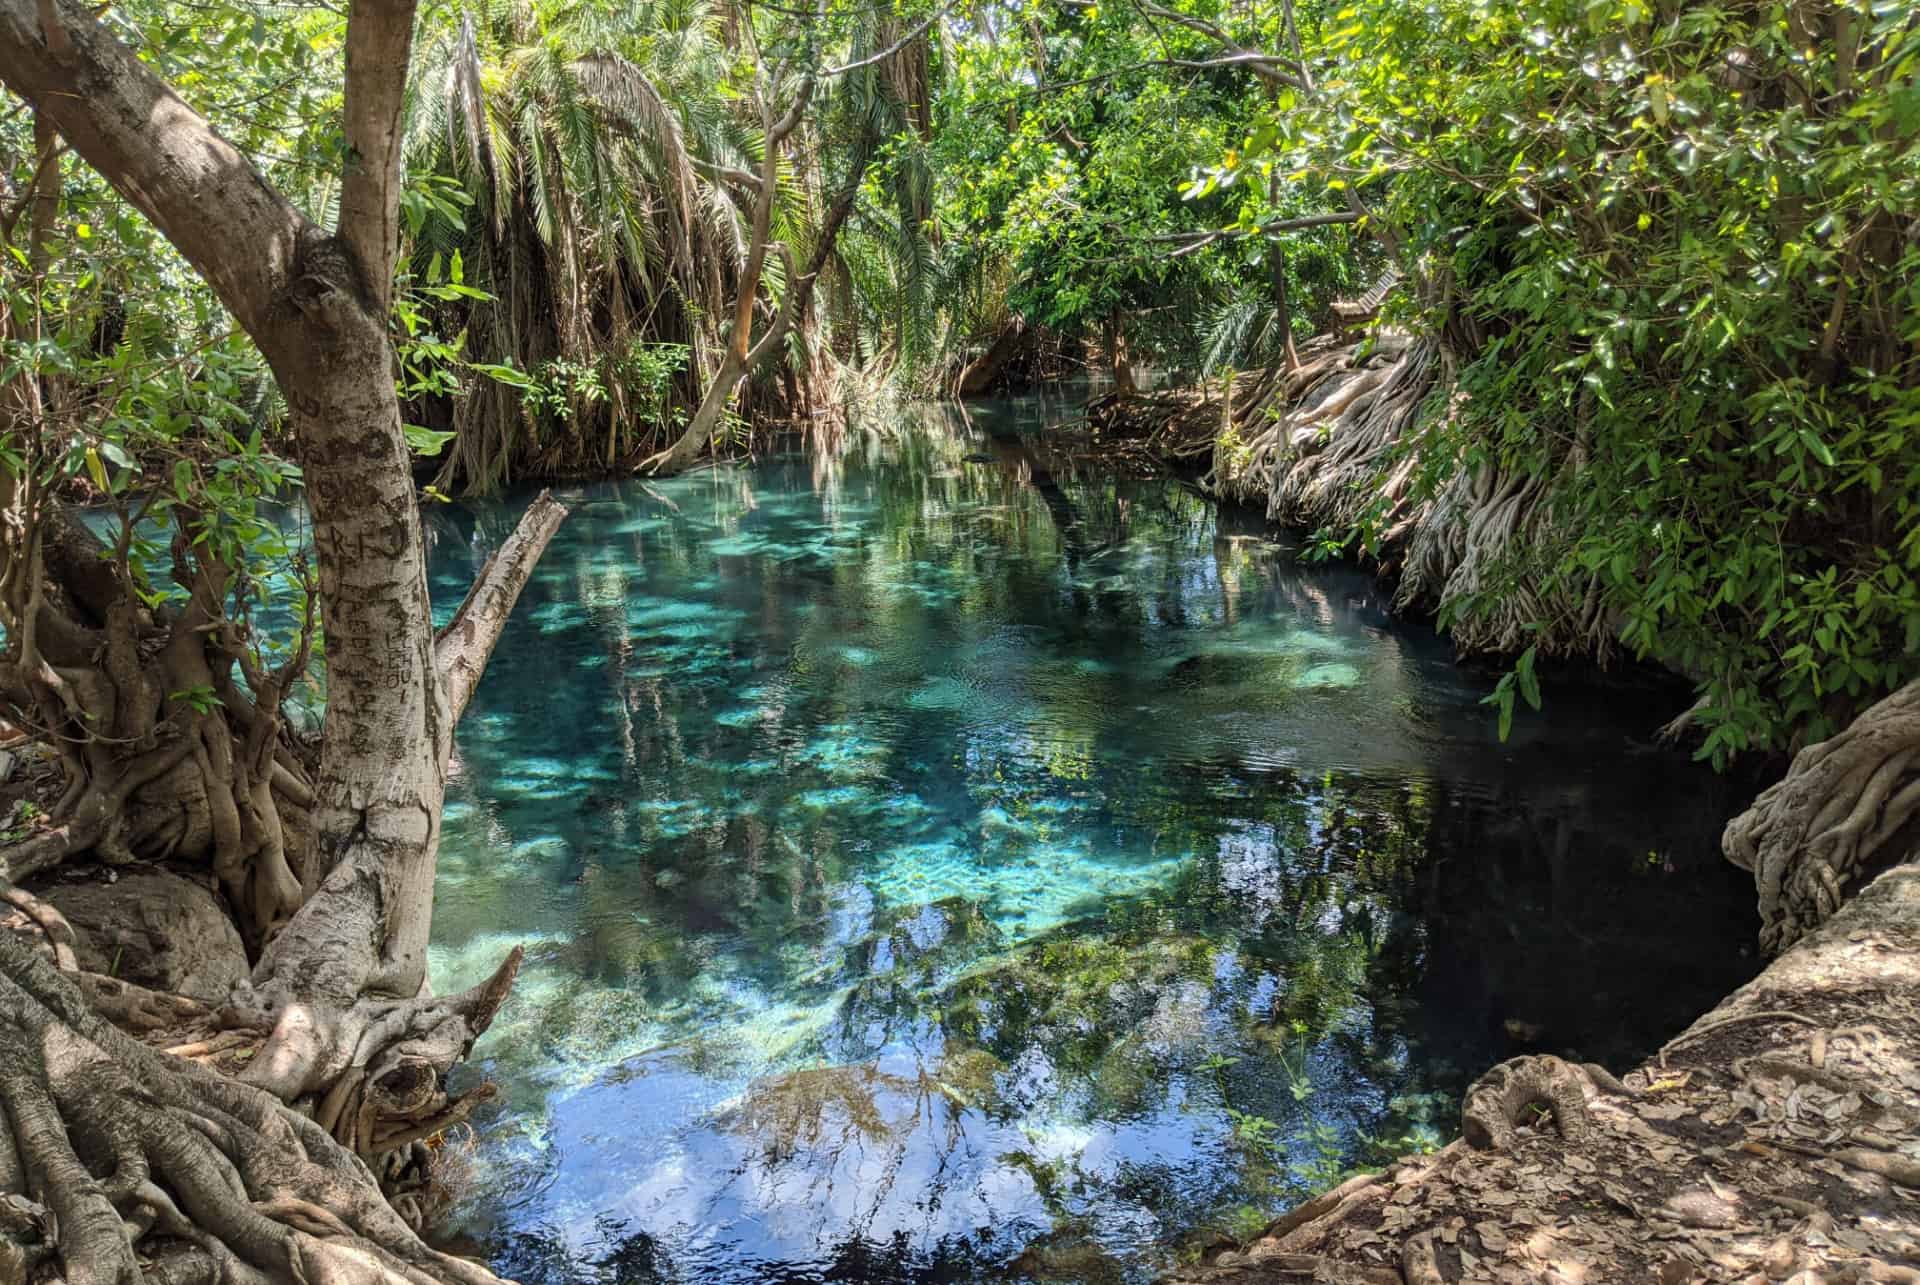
pixel 1816 447
pixel 426 441
pixel 503 374
pixel 1529 684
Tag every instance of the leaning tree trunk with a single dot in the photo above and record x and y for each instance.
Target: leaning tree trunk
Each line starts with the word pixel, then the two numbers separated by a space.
pixel 1843 811
pixel 742 356
pixel 122 1144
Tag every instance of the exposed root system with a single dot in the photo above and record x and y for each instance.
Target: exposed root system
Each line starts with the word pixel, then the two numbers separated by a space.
pixel 1843 810
pixel 1507 1096
pixel 1778 1139
pixel 121 1164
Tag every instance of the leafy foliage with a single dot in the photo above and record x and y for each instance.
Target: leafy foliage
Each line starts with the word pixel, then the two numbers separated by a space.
pixel 1685 241
pixel 1068 140
pixel 1671 246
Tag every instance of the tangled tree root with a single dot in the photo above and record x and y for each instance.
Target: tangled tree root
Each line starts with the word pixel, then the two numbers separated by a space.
pixel 1332 443
pixel 121 1164
pixel 42 920
pixel 1499 1101
pixel 1842 812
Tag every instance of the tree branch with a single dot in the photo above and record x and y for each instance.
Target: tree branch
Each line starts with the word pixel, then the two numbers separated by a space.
pixel 912 35
pixel 791 121
pixel 778 330
pixel 379 39
pixel 158 153
pixel 1188 242
pixel 461 649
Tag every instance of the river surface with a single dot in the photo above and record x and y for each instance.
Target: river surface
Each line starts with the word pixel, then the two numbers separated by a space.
pixel 933 868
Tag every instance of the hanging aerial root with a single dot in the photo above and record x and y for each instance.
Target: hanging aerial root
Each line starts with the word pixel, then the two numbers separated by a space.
pixel 1335 443
pixel 1314 444
pixel 1841 813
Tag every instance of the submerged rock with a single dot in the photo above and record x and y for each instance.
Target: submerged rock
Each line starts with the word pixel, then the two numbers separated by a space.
pixel 1334 674
pixel 1069 1255
pixel 1080 995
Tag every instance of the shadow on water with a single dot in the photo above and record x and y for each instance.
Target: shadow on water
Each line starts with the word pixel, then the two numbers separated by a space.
pixel 938 868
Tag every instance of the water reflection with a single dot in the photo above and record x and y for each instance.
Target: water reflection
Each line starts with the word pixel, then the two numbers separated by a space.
pixel 937 867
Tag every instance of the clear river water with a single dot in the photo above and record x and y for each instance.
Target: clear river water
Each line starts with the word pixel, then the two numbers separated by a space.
pixel 934 868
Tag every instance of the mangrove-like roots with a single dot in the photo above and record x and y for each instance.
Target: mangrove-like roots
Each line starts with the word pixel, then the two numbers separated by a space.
pixel 121 1164
pixel 1840 814
pixel 1499 1100
pixel 1334 443
pixel 1318 444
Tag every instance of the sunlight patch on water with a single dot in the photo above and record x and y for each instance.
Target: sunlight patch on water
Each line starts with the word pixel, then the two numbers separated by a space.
pixel 910 863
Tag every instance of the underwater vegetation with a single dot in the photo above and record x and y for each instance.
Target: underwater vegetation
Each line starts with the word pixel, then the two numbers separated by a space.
pixel 923 879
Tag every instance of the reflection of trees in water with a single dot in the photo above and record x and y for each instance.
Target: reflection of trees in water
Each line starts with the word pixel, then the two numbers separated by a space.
pixel 1389 923
pixel 851 1137
pixel 619 1255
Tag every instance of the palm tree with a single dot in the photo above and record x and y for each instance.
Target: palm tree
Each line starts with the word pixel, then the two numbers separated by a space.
pixel 600 160
pixel 610 157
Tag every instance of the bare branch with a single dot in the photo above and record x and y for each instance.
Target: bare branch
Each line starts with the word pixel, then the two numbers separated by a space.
pixel 1188 242
pixel 894 48
pixel 461 649
pixel 776 333
pixel 1264 65
pixel 732 174
pixel 791 121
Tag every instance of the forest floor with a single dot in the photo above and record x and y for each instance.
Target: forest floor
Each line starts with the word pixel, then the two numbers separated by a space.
pixel 1777 1139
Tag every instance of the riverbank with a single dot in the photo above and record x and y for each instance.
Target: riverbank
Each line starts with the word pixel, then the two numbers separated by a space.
pixel 1777 1138
pixel 1801 1085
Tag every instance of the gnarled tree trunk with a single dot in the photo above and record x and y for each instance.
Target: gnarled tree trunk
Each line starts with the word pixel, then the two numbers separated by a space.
pixel 120 1163
pixel 145 1162
pixel 1843 812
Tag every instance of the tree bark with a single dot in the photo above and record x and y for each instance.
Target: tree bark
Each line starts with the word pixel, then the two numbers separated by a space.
pixel 977 378
pixel 742 356
pixel 121 1164
pixel 356 1037
pixel 1844 810
pixel 1119 360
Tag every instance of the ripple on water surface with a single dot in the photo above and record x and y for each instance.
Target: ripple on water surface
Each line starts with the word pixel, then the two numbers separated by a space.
pixel 929 874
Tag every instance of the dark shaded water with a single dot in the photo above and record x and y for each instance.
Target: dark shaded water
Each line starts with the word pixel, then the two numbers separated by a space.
pixel 935 870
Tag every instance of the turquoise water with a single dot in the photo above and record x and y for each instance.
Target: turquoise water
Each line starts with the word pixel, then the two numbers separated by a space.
pixel 933 868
